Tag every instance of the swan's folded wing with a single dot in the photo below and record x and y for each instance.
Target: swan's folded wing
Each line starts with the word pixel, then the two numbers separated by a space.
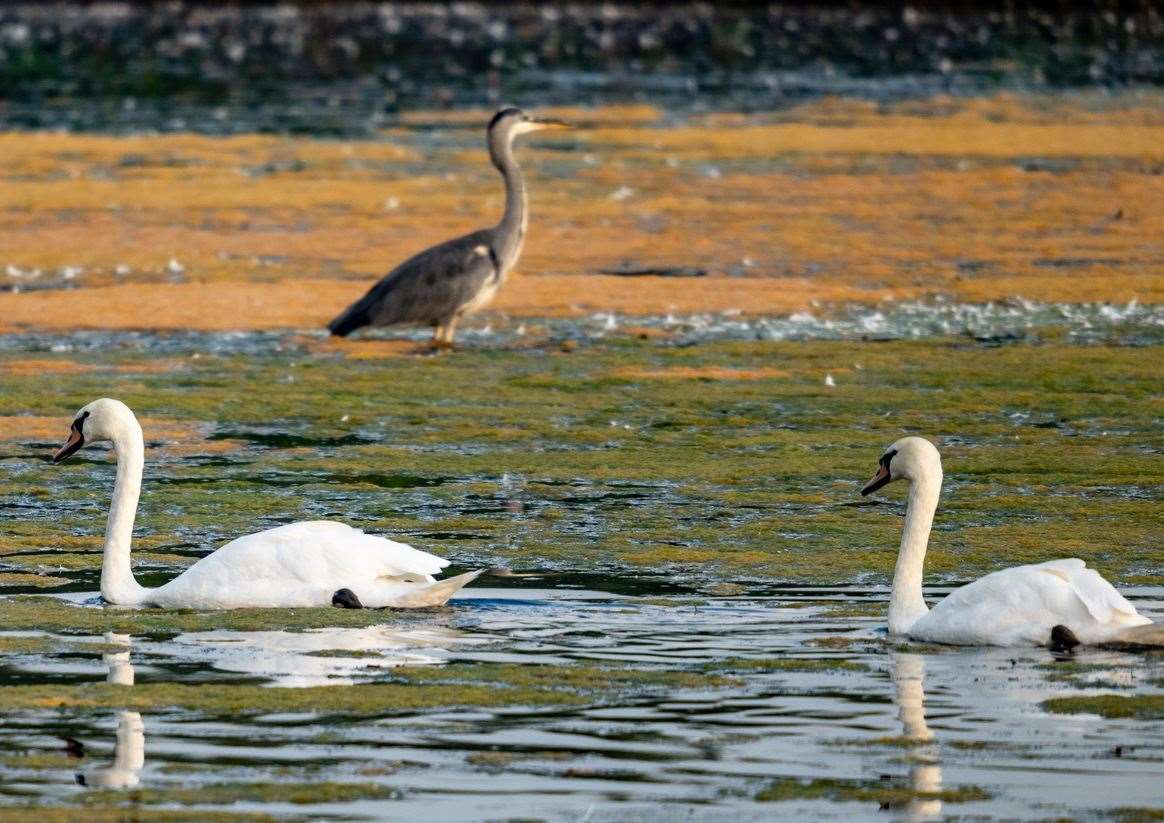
pixel 320 550
pixel 1063 568
pixel 395 559
pixel 1100 598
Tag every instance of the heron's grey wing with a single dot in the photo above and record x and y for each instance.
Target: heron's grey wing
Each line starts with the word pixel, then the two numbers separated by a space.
pixel 428 288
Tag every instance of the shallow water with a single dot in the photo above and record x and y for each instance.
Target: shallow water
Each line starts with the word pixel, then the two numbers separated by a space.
pixel 927 718
pixel 1014 320
pixel 641 561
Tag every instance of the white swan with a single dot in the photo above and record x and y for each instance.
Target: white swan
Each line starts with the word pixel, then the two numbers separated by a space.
pixel 315 563
pixel 1013 607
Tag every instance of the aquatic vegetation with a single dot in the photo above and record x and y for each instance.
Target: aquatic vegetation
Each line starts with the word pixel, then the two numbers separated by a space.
pixel 996 198
pixel 884 792
pixel 1139 706
pixel 481 685
pixel 699 465
pixel 789 664
pixel 1131 815
pixel 221 794
pixel 117 814
pixel 51 614
pixel 534 459
pixel 367 699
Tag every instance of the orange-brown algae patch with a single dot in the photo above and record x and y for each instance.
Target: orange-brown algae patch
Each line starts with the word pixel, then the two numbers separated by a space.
pixel 28 427
pixel 1051 198
pixel 32 427
pixel 369 349
pixel 701 373
pixel 33 366
pixel 201 446
pixel 43 366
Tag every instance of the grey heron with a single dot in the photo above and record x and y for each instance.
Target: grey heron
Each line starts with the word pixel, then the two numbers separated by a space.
pixel 442 284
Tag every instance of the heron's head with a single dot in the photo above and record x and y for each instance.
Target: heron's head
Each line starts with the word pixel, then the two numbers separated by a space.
pixel 511 122
pixel 910 458
pixel 103 419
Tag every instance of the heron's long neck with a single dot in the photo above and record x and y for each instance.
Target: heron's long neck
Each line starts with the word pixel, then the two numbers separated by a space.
pixel 513 222
pixel 906 604
pixel 117 582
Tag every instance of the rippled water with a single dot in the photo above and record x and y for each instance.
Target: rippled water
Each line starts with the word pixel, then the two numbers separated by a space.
pixel 972 716
pixel 1130 323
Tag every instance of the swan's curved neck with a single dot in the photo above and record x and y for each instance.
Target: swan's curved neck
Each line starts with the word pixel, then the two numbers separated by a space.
pixel 906 604
pixel 117 582
pixel 513 223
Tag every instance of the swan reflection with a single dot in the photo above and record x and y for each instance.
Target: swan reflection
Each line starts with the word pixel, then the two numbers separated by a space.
pixel 322 657
pixel 129 749
pixel 925 776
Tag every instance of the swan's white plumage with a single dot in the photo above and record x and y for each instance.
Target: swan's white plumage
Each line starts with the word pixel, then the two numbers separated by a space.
pixel 1012 607
pixel 1020 606
pixel 300 564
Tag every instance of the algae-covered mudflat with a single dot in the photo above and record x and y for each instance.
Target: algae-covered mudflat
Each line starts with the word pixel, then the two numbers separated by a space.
pixel 688 593
pixel 716 461
pixel 697 592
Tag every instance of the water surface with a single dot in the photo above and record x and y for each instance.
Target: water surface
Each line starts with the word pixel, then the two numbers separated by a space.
pixel 864 709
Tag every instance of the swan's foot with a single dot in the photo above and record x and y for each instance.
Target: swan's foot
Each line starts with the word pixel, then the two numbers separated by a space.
pixel 1062 639
pixel 346 599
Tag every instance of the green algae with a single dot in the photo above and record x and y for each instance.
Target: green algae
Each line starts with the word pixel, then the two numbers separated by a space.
pixel 835 642
pixel 52 614
pixel 25 644
pixel 598 454
pixel 38 761
pixel 39 581
pixel 411 689
pixel 1139 706
pixel 788 664
pixel 889 741
pixel 368 699
pixel 496 761
pixel 985 745
pixel 43 813
pixel 575 677
pixel 222 794
pixel 888 794
pixel 46 644
pixel 1130 815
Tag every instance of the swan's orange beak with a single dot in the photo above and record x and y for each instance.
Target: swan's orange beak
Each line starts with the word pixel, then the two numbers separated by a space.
pixel 76 441
pixel 880 479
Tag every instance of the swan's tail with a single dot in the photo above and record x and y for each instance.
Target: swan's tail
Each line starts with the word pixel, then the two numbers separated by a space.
pixel 1138 638
pixel 431 594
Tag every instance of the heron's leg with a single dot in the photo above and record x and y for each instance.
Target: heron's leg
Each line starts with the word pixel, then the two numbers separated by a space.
pixel 452 329
pixel 442 337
